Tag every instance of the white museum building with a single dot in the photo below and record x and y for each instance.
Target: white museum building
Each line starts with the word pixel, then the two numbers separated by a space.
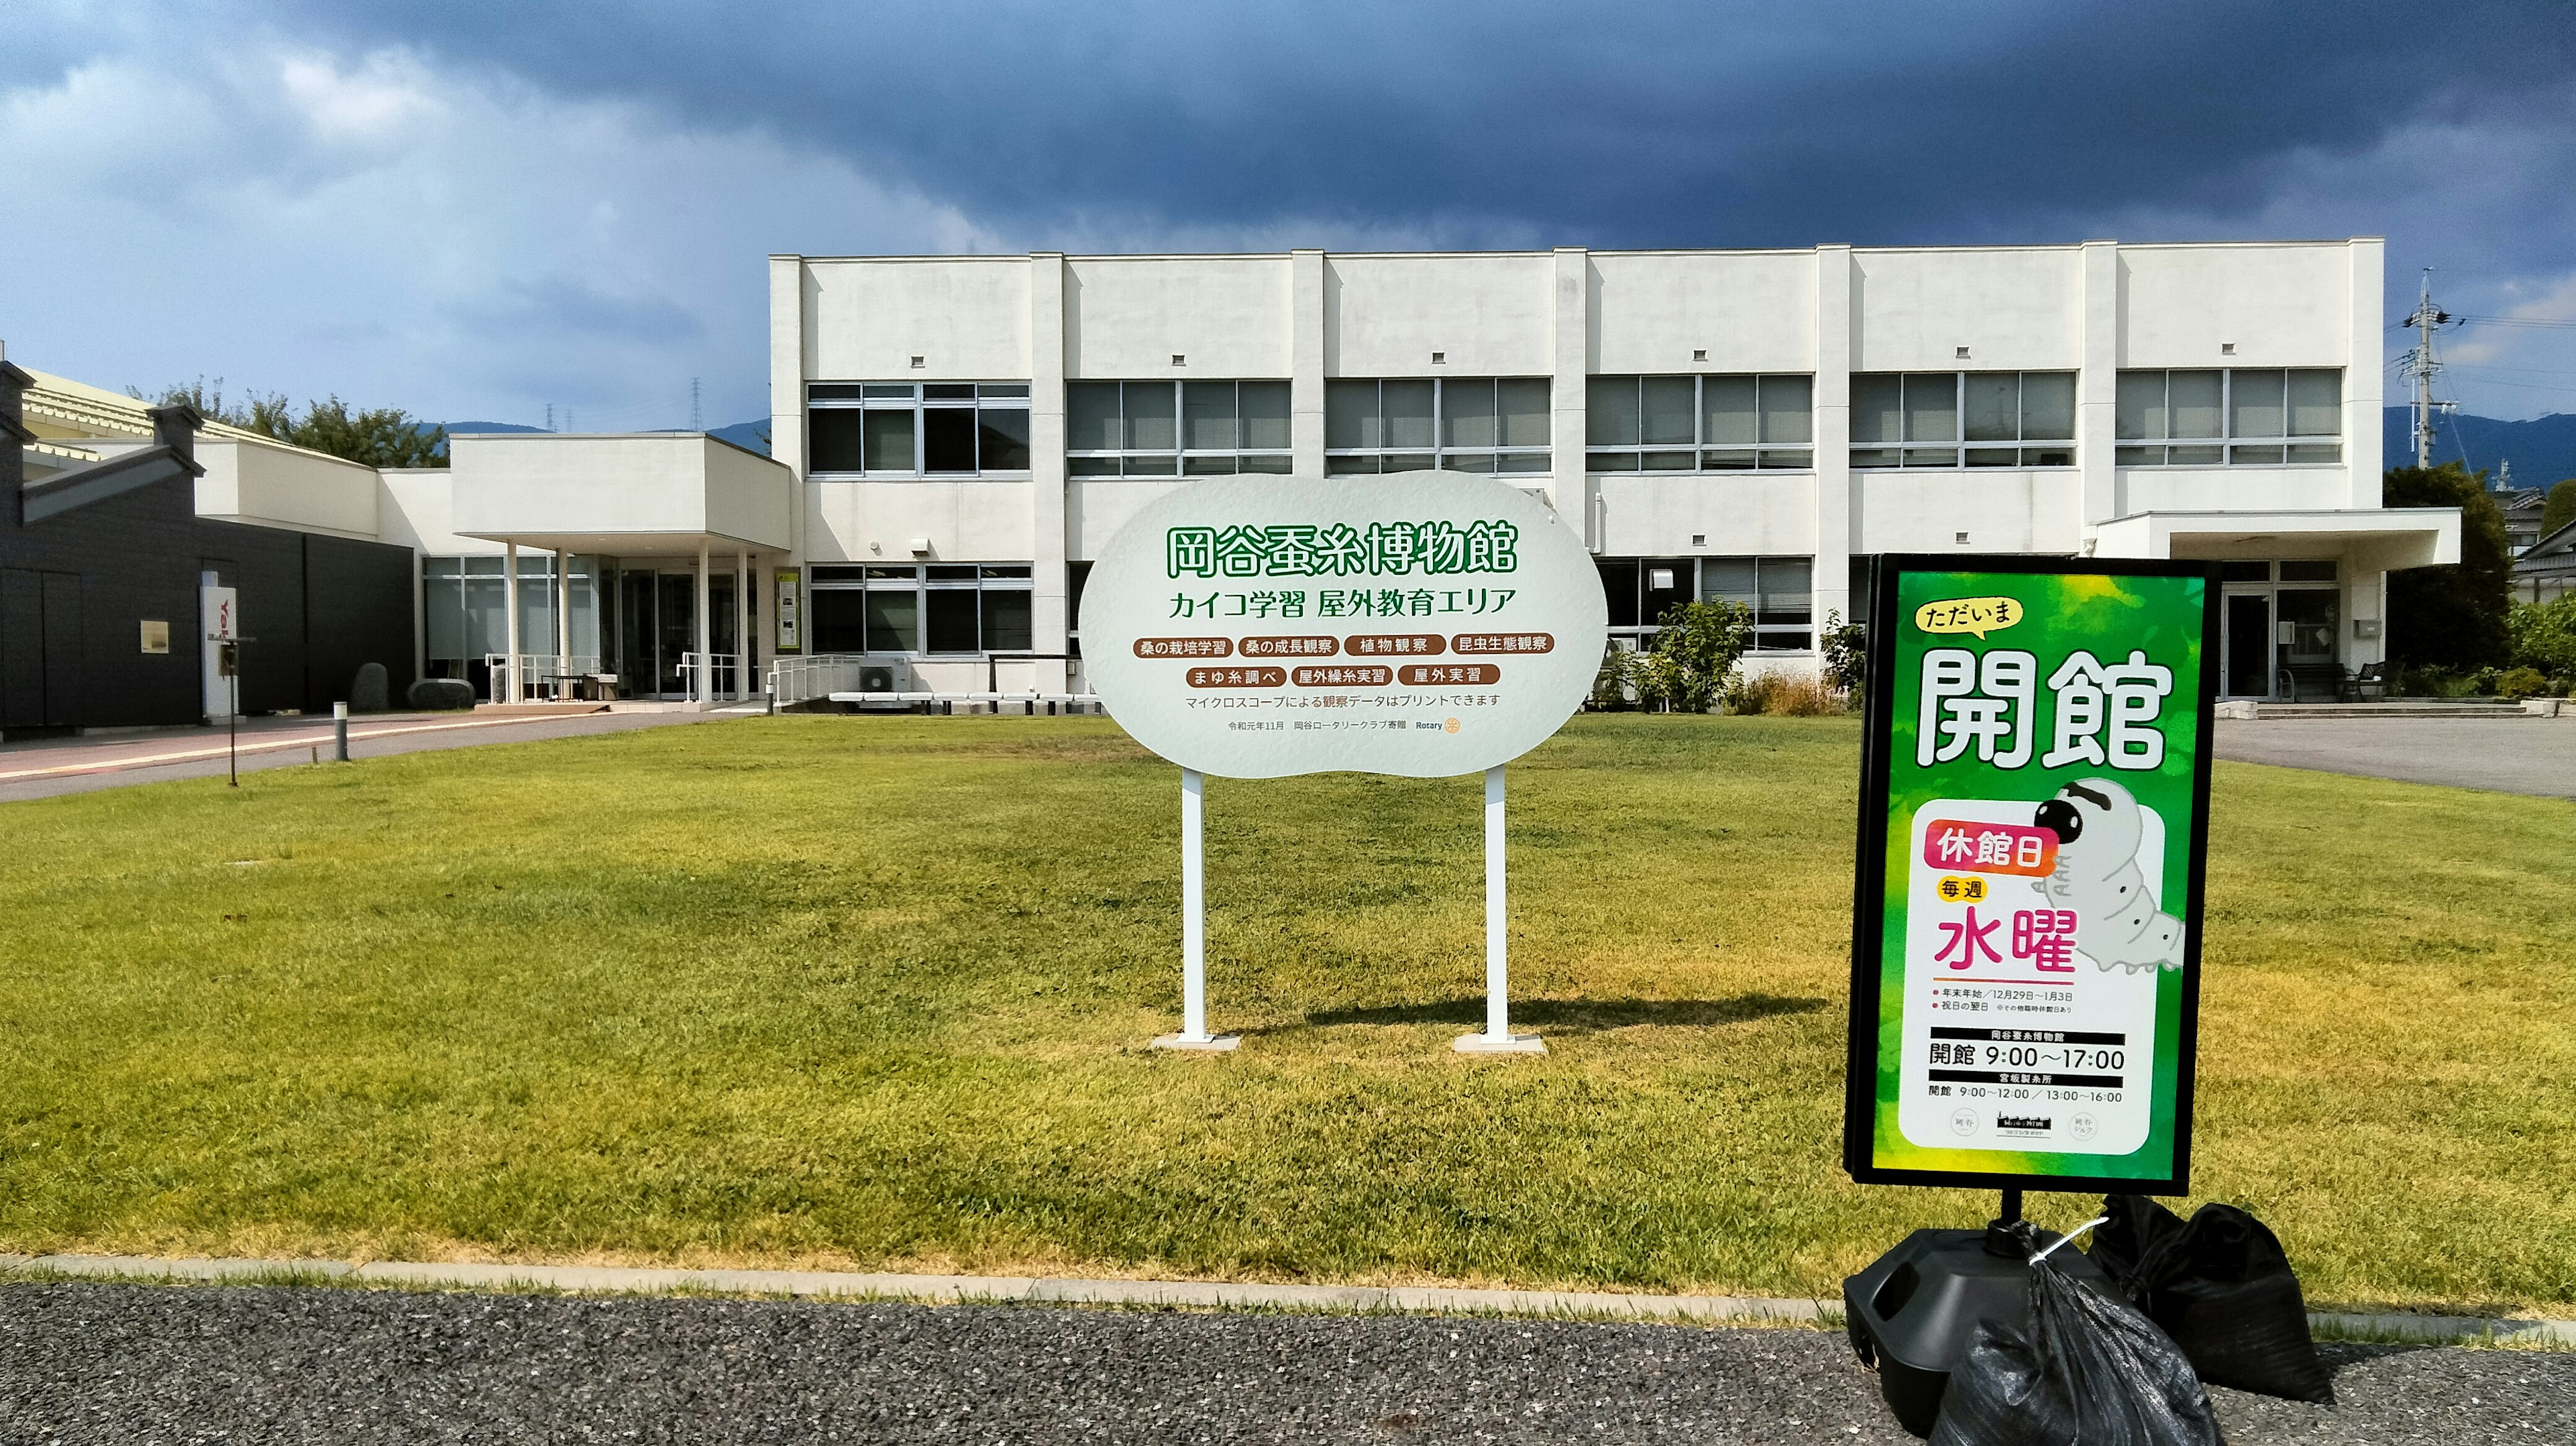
pixel 954 438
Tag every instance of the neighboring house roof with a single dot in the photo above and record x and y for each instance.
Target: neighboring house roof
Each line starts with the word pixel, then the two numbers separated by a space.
pixel 2551 556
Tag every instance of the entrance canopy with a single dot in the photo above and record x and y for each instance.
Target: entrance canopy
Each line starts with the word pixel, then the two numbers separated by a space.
pixel 640 494
pixel 2372 539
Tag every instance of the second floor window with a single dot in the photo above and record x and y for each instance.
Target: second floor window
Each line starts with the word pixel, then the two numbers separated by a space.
pixel 1172 429
pixel 1963 419
pixel 923 429
pixel 1461 424
pixel 2239 417
pixel 1692 424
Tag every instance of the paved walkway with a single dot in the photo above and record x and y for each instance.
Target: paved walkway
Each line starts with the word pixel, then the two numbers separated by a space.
pixel 83 1361
pixel 42 767
pixel 2503 755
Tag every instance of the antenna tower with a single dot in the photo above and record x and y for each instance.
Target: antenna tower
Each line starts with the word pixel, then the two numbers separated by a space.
pixel 694 424
pixel 2420 365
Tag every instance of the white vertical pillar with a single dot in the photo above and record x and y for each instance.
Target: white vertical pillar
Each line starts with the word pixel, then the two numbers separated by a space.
pixel 1834 500
pixel 741 623
pixel 509 685
pixel 563 613
pixel 1194 1031
pixel 1569 488
pixel 1050 600
pixel 704 686
pixel 1498 1037
pixel 2097 392
pixel 2363 384
pixel 1306 362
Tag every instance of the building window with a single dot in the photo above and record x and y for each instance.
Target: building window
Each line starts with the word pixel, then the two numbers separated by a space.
pixel 941 608
pixel 1172 429
pixel 1963 419
pixel 1699 424
pixel 1462 424
pixel 1779 591
pixel 466 619
pixel 2240 417
pixel 916 429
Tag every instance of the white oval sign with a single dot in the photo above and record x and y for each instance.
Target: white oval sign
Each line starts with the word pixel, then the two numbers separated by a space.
pixel 1424 624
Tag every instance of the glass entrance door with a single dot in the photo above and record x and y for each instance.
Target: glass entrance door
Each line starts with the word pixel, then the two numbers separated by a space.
pixel 677 631
pixel 2247 641
pixel 636 675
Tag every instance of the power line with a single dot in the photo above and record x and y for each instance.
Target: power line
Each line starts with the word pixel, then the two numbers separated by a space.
pixel 2549 321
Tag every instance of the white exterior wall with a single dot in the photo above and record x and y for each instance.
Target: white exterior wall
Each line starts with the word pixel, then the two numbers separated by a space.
pixel 278 486
pixel 1829 311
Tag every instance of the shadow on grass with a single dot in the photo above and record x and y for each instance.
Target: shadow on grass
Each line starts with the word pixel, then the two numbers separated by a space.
pixel 1574 1016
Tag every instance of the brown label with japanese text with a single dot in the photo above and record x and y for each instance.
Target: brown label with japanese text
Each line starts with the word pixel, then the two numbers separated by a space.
pixel 1184 648
pixel 1290 647
pixel 1345 675
pixel 1504 643
pixel 1394 645
pixel 1238 677
pixel 1433 675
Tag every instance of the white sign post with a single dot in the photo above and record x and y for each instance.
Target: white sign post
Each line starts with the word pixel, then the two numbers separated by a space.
pixel 1424 624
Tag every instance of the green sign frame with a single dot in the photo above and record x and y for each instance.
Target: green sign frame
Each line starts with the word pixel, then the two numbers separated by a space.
pixel 2033 841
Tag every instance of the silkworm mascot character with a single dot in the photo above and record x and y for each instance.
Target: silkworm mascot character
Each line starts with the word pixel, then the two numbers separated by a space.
pixel 2098 827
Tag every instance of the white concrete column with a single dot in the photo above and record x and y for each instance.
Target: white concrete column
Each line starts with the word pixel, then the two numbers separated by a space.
pixel 2097 388
pixel 1307 366
pixel 2363 384
pixel 509 689
pixel 1569 491
pixel 1836 508
pixel 1050 598
pixel 787 331
pixel 741 624
pixel 563 612
pixel 705 684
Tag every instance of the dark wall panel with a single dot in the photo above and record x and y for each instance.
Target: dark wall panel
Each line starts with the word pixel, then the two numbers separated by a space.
pixel 316 607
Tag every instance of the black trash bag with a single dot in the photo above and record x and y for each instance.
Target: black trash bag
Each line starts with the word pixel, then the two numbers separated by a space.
pixel 2222 1288
pixel 2092 1371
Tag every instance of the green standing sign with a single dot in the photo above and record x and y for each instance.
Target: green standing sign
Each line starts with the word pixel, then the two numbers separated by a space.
pixel 2034 822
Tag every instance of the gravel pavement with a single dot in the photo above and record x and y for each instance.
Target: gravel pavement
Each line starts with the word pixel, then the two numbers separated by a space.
pixel 2504 755
pixel 161 1364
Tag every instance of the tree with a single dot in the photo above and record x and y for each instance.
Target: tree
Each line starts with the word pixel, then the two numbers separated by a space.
pixel 2560 509
pixel 1697 647
pixel 2451 616
pixel 382 437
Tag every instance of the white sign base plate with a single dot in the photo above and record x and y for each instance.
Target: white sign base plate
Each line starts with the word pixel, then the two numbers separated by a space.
pixel 1214 1042
pixel 1508 1044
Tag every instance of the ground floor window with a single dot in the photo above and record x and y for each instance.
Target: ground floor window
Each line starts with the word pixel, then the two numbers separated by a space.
pixel 465 612
pixel 933 608
pixel 1779 591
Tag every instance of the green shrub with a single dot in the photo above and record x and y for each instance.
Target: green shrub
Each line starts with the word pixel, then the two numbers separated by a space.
pixel 2520 683
pixel 2543 638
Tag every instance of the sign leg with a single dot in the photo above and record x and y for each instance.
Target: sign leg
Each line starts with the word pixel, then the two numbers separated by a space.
pixel 1194 1033
pixel 1498 1037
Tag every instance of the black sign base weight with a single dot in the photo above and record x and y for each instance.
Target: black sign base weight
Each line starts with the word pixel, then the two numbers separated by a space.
pixel 1911 1313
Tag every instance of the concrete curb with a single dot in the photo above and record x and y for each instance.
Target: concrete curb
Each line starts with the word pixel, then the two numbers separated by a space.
pixel 1195 1294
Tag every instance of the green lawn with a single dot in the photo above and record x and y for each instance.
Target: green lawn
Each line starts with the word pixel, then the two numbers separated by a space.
pixel 877 993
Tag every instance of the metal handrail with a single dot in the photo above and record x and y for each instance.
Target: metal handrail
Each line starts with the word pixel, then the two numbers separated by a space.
pixel 535 669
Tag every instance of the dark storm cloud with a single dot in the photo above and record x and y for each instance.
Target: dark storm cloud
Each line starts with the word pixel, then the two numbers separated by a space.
pixel 1651 124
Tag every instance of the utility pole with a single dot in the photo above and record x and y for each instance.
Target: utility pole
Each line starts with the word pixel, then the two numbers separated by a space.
pixel 2421 366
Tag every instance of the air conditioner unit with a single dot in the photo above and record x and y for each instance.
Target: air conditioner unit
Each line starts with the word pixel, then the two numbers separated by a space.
pixel 876 680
